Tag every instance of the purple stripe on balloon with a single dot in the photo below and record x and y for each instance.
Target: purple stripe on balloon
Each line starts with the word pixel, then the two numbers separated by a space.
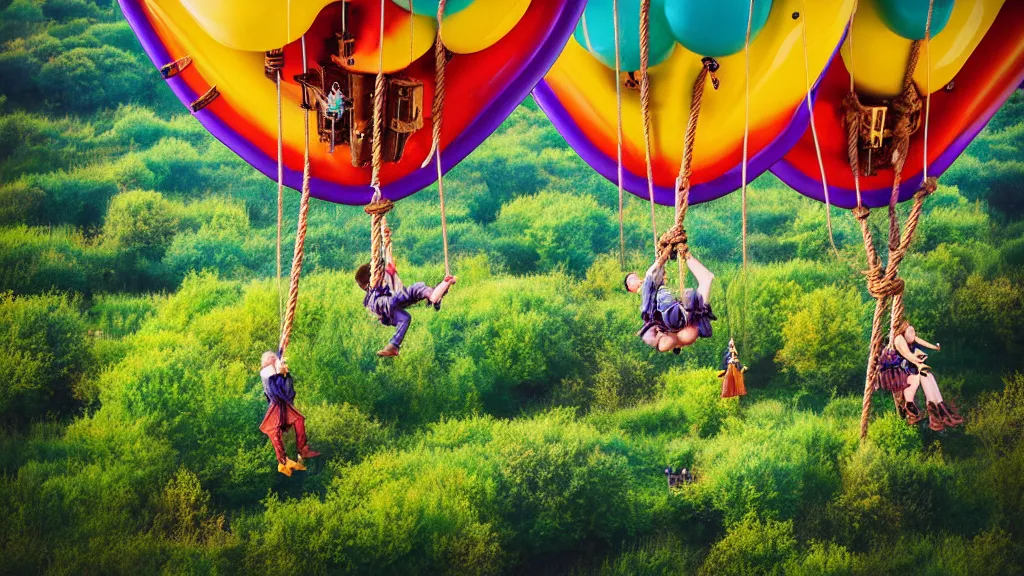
pixel 635 184
pixel 529 73
pixel 875 198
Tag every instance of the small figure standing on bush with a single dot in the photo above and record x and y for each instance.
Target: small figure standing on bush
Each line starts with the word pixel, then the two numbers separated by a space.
pixel 670 324
pixel 388 301
pixel 279 389
pixel 732 373
pixel 911 348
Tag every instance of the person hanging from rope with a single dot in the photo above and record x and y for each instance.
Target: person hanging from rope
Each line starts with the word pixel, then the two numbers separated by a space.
pixel 732 373
pixel 671 324
pixel 388 302
pixel 919 375
pixel 279 390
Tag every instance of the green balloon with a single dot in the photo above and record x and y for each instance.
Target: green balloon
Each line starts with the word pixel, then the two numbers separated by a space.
pixel 600 33
pixel 715 28
pixel 908 18
pixel 429 7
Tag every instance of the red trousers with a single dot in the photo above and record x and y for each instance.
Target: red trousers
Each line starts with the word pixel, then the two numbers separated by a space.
pixel 277 420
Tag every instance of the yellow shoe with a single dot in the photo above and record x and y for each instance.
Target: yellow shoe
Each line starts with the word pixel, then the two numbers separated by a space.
pixel 285 469
pixel 293 465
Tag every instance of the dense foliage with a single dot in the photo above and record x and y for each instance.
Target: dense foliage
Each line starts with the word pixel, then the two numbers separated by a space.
pixel 524 429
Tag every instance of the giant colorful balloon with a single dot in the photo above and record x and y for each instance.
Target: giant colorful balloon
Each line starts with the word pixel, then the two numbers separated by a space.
pixel 499 50
pixel 578 94
pixel 977 61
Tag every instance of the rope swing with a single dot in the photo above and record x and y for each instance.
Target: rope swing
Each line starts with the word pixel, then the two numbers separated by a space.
pixel 440 61
pixel 674 239
pixel 300 234
pixel 883 282
pixel 378 206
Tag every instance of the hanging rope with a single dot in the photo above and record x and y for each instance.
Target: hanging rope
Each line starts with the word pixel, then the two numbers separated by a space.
pixel 645 105
pixel 273 62
pixel 300 233
pixel 746 128
pixel 884 283
pixel 378 206
pixel 814 130
pixel 674 239
pixel 440 61
pixel 618 133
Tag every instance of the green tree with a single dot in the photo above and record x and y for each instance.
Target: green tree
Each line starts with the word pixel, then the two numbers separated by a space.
pixel 46 355
pixel 141 222
pixel 823 340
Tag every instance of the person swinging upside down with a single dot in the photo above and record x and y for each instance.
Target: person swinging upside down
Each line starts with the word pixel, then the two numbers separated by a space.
pixel 911 348
pixel 388 301
pixel 279 389
pixel 670 324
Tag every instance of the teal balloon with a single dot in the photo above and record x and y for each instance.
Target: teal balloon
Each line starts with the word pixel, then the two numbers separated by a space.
pixel 599 17
pixel 429 7
pixel 908 18
pixel 715 27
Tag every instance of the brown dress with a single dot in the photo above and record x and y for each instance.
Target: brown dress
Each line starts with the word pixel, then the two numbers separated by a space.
pixel 732 381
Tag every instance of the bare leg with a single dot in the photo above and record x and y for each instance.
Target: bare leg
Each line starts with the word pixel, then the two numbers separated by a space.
pixel 441 289
pixel 910 392
pixel 931 388
pixel 703 276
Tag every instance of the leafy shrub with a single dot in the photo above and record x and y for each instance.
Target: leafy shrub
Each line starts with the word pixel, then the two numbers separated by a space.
pixel 47 355
pixel 752 547
pixel 822 340
pixel 141 222
pixel 84 79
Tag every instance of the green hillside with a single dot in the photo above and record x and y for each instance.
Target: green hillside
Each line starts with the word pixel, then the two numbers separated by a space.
pixel 525 428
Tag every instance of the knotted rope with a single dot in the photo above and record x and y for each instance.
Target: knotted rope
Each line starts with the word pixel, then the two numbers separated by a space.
pixel 300 234
pixel 380 243
pixel 884 284
pixel 674 239
pixel 645 104
pixel 378 206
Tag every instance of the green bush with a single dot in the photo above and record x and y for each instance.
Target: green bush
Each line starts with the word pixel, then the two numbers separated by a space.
pixel 752 547
pixel 140 222
pixel 47 356
pixel 823 340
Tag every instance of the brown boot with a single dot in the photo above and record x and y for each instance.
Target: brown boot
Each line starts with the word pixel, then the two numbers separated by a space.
pixel 913 414
pixel 934 419
pixel 389 350
pixel 950 417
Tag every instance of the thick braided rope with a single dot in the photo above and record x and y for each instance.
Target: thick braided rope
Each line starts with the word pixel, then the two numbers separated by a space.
pixel 618 132
pixel 888 285
pixel 378 207
pixel 379 243
pixel 440 61
pixel 675 239
pixel 376 149
pixel 300 235
pixel 645 104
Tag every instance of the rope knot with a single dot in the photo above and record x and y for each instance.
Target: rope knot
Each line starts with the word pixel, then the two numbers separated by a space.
pixel 712 66
pixel 881 288
pixel 273 63
pixel 379 207
pixel 861 213
pixel 930 185
pixel 674 240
